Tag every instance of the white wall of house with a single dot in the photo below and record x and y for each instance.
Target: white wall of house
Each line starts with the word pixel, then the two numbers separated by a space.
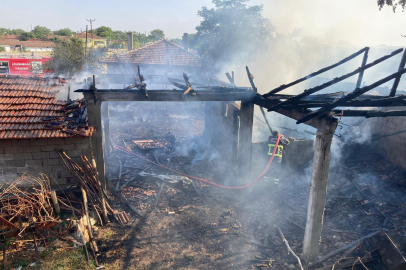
pixel 7 47
pixel 37 49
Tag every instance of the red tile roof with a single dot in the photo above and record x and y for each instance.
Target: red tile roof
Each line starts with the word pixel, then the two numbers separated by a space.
pixel 36 43
pixel 161 52
pixel 29 109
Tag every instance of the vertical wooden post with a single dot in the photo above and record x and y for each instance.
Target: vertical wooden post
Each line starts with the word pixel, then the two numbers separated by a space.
pixel 318 192
pixel 106 128
pixel 245 139
pixel 94 119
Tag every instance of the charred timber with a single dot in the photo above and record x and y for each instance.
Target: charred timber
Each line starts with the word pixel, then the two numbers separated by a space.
pixel 356 93
pixel 397 80
pixel 361 74
pixel 228 94
pixel 282 87
pixel 382 102
pixel 369 113
pixel 313 90
pixel 318 123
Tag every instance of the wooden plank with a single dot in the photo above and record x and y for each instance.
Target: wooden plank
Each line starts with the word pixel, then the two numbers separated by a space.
pixel 357 92
pixel 397 80
pixel 282 87
pixel 229 94
pixel 313 90
pixel 361 74
pixel 319 122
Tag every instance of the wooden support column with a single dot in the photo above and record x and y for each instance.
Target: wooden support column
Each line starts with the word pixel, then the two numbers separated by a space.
pixel 95 121
pixel 106 128
pixel 245 140
pixel 318 191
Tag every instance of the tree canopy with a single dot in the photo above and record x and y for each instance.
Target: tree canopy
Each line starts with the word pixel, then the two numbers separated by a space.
pixel 64 32
pixel 392 3
pixel 28 35
pixel 41 32
pixel 104 31
pixel 69 57
pixel 230 29
pixel 156 34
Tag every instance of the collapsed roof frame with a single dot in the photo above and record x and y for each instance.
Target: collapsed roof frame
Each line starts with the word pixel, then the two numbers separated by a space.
pixel 297 107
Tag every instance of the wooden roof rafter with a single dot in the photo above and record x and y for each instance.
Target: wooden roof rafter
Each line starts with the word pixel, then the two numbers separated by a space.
pixel 327 104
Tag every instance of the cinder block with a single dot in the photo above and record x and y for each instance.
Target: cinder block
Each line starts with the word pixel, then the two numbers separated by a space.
pixel 36 142
pixel 15 163
pixel 56 141
pixel 81 146
pixel 23 156
pixel 49 148
pixel 61 181
pixel 40 155
pixel 12 150
pixel 21 170
pixel 66 174
pixel 58 168
pixel 54 175
pixel 66 147
pixel 3 164
pixel 74 153
pixel 8 171
pixel 32 149
pixel 20 143
pixel 6 156
pixel 54 154
pixel 2 151
pixel 39 169
pixel 36 162
pixel 4 143
pixel 86 152
pixel 50 162
pixel 72 140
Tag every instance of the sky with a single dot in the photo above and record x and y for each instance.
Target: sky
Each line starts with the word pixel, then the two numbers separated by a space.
pixel 357 22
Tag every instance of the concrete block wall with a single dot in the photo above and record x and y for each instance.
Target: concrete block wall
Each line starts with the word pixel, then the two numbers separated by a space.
pixel 392 148
pixel 36 156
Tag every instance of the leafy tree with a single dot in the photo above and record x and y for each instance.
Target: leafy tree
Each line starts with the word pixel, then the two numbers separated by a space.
pixel 177 41
pixel 64 32
pixel 56 39
pixel 230 29
pixel 41 31
pixel 120 35
pixel 3 31
pixel 104 31
pixel 156 34
pixel 69 57
pixel 393 3
pixel 28 35
pixel 2 49
pixel 140 39
pixel 17 32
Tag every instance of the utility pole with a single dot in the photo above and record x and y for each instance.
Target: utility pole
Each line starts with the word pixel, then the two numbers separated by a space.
pixel 86 42
pixel 91 28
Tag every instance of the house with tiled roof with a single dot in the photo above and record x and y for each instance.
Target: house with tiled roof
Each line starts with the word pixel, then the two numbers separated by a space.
pixel 33 124
pixel 93 40
pixel 33 45
pixel 156 58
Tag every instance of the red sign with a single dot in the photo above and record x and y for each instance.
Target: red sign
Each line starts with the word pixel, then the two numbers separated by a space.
pixel 24 66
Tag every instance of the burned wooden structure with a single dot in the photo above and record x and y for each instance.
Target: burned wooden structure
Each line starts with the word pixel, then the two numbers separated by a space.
pixel 297 107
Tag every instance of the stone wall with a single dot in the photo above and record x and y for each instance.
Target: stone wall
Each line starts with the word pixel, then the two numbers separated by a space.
pixel 394 147
pixel 36 156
